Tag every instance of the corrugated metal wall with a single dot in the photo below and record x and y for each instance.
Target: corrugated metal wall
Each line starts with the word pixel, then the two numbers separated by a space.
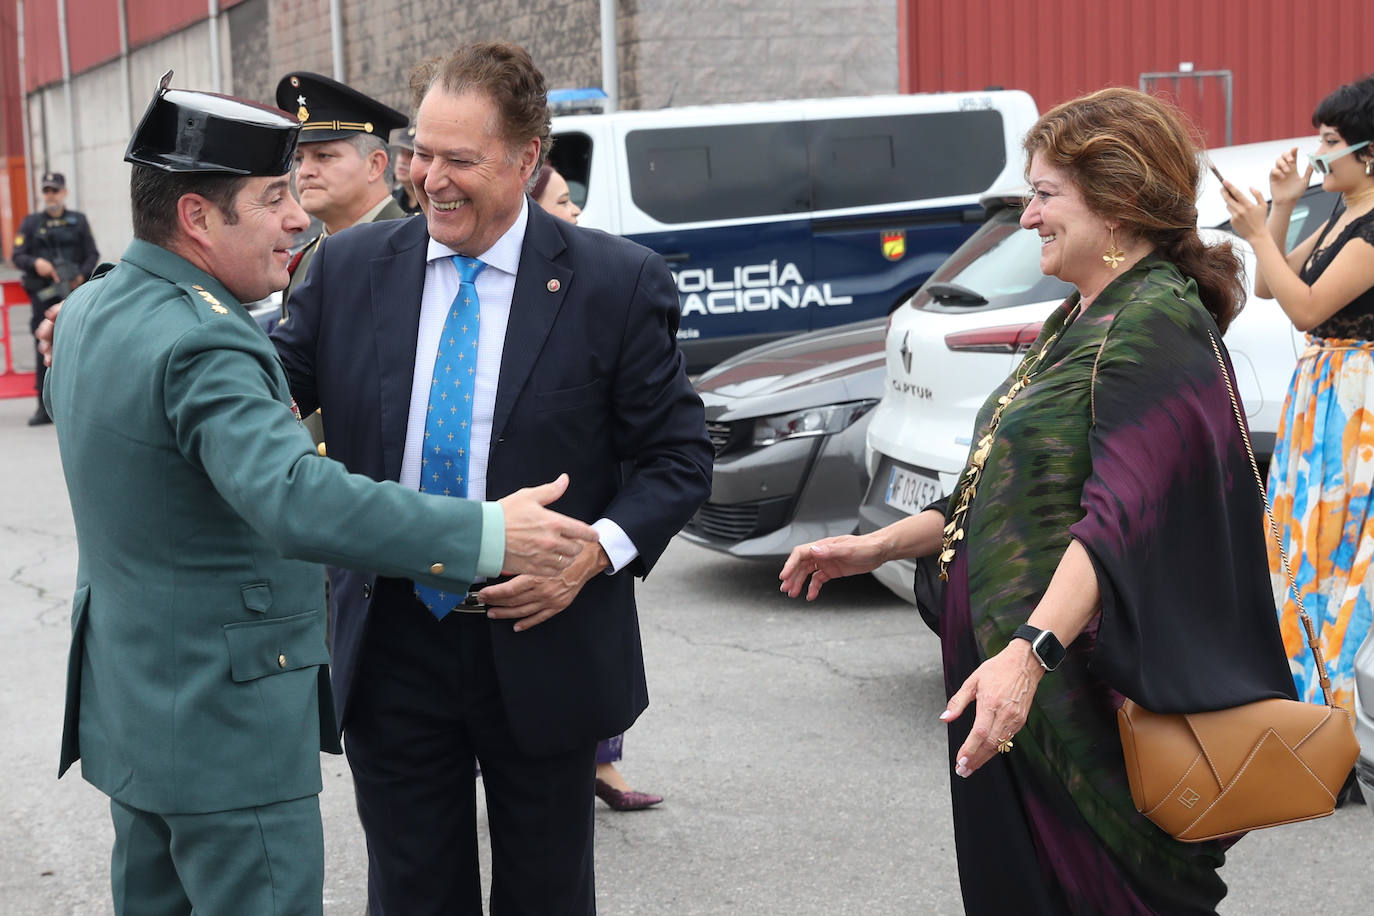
pixel 1284 57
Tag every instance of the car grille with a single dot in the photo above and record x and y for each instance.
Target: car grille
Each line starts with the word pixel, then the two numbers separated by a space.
pixel 720 435
pixel 730 437
pixel 732 522
pixel 728 523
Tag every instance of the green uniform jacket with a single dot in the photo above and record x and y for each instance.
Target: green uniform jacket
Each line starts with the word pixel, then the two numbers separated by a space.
pixel 198 677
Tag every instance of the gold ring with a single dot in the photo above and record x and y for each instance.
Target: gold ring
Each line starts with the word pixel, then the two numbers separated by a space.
pixel 1005 745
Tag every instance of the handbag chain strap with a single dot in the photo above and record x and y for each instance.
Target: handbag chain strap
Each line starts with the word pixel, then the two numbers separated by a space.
pixel 1307 626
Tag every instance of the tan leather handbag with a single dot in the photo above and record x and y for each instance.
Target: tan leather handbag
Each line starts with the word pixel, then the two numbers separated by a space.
pixel 1201 776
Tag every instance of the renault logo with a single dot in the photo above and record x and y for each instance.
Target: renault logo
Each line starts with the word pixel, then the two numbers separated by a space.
pixel 906 353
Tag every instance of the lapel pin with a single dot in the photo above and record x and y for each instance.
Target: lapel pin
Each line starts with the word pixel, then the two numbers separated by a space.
pixel 553 286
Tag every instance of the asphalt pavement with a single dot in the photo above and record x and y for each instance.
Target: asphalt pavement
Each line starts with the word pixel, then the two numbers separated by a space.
pixel 798 747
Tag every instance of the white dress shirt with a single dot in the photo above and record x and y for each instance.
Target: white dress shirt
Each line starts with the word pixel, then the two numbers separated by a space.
pixel 495 289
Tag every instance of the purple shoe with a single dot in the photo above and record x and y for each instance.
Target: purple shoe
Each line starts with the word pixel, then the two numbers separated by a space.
pixel 625 801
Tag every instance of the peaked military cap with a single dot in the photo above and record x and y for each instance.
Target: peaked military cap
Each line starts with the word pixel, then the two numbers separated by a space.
pixel 185 131
pixel 329 110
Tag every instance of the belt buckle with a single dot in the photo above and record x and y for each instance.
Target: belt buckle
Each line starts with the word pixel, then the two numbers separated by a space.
pixel 471 604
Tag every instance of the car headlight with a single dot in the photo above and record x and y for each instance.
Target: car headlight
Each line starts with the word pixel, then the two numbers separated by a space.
pixel 813 421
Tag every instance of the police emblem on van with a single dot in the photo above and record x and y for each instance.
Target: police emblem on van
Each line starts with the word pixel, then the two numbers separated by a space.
pixel 894 244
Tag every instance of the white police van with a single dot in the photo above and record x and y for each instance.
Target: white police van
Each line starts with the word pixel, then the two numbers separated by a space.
pixel 783 217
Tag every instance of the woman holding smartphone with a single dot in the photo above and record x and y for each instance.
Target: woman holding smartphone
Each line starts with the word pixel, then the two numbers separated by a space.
pixel 1323 466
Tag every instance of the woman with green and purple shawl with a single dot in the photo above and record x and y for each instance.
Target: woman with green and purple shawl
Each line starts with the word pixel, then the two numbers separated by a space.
pixel 1105 541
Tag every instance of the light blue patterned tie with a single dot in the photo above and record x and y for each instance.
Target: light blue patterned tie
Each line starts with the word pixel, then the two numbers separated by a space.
pixel 448 420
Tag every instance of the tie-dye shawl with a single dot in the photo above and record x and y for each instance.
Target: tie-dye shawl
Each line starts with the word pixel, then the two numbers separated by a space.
pixel 1126 441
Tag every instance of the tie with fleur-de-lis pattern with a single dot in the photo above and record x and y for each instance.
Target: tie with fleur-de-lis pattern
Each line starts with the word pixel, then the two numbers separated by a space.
pixel 448 420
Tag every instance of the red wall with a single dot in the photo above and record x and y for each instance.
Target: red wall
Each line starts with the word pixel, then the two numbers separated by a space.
pixel 42 50
pixel 93 31
pixel 1285 58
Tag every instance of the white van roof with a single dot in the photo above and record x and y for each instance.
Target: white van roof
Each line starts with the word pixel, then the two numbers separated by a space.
pixel 794 109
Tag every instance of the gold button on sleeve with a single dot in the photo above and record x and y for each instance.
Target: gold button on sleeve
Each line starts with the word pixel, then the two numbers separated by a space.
pixel 281 661
pixel 437 569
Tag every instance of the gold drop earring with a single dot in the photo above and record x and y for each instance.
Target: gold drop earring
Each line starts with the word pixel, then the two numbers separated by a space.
pixel 1113 256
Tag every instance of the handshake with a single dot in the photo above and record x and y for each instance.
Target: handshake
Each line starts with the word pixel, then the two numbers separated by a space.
pixel 539 541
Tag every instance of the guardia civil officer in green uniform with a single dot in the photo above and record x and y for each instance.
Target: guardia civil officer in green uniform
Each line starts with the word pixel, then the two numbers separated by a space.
pixel 343 169
pixel 198 692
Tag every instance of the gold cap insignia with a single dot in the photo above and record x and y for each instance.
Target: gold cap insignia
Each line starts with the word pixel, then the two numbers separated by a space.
pixel 303 114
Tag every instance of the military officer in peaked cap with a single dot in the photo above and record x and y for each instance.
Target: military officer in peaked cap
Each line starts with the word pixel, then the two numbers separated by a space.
pixel 343 163
pixel 198 693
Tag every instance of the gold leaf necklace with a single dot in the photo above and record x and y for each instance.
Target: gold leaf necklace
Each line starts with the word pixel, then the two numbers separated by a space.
pixel 968 481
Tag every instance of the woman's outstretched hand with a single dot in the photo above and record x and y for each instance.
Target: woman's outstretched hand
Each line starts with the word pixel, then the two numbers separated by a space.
pixel 829 558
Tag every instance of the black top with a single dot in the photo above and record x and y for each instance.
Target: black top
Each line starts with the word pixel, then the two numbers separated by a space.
pixel 1356 319
pixel 61 239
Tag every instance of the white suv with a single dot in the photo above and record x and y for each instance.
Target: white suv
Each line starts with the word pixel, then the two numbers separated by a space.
pixel 966 329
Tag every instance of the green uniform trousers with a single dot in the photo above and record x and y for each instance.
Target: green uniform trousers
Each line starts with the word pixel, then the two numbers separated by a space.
pixel 265 861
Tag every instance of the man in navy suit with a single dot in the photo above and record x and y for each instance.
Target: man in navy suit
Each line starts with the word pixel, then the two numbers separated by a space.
pixel 558 345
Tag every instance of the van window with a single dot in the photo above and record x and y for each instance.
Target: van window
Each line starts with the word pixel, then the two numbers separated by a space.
pixel 737 171
pixel 571 155
pixel 731 171
pixel 860 162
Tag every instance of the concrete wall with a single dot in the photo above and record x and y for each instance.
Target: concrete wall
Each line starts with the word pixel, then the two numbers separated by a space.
pixel 675 53
pixel 671 53
pixel 106 111
pixel 382 39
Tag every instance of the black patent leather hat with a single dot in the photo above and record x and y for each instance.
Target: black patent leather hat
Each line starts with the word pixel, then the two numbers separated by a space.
pixel 186 131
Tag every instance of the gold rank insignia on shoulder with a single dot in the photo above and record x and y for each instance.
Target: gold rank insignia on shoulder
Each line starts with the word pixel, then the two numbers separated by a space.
pixel 18 240
pixel 214 303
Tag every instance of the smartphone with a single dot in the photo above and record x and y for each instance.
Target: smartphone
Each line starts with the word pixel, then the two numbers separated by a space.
pixel 1216 172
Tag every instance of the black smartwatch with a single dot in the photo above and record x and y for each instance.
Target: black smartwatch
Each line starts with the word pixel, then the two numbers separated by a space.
pixel 1044 644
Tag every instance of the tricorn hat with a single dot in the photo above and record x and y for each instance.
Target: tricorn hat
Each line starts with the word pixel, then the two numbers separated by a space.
pixel 329 110
pixel 185 131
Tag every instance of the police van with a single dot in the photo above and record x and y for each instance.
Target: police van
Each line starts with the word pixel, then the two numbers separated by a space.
pixel 782 217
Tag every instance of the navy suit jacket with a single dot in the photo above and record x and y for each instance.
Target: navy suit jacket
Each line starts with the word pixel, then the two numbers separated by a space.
pixel 591 383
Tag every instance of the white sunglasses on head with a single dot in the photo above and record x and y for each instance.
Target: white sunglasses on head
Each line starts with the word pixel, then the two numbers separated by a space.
pixel 1322 164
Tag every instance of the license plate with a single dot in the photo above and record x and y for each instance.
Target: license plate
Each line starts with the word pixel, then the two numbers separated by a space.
pixel 911 492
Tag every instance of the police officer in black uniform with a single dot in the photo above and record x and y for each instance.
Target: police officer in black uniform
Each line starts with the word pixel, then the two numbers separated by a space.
pixel 56 252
